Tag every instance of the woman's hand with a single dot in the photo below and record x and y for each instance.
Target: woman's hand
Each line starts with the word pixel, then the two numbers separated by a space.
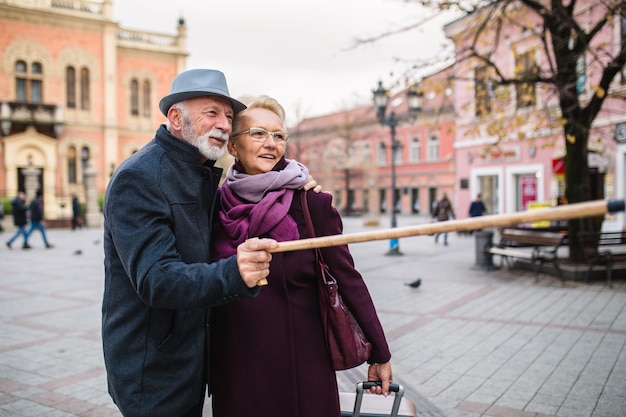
pixel 380 372
pixel 312 184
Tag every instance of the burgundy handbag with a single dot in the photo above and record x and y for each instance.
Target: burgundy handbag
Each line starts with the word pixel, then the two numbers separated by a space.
pixel 347 345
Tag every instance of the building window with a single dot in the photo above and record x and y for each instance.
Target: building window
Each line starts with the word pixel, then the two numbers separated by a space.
pixel 28 82
pixel 433 148
pixel 382 153
pixel 350 155
pixel 84 160
pixel 147 92
pixel 70 87
pixel 397 152
pixel 134 97
pixel 414 149
pixel 525 68
pixel 84 89
pixel 367 154
pixel 483 91
pixel 71 165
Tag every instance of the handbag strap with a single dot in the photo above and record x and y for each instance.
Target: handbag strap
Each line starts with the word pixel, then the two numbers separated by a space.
pixel 309 224
pixel 307 213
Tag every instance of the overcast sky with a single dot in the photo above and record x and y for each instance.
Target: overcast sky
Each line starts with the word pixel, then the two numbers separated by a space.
pixel 299 52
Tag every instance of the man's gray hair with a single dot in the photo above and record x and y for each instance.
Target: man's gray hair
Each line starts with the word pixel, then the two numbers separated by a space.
pixel 180 106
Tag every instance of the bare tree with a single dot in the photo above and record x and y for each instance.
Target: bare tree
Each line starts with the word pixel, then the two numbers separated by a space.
pixel 569 36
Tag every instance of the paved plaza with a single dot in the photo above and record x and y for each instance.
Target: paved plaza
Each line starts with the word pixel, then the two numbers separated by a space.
pixel 466 343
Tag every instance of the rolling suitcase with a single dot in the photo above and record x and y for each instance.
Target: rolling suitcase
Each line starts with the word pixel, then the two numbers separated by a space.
pixel 360 405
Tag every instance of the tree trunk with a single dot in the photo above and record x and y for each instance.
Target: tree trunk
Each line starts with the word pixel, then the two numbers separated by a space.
pixel 577 187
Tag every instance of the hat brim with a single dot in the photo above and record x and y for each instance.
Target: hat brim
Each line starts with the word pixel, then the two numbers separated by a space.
pixel 167 101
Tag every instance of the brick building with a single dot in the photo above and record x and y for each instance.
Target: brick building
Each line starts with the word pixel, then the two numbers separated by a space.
pixel 77 93
pixel 509 142
pixel 349 152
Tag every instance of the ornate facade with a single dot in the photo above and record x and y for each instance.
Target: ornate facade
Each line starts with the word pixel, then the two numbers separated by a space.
pixel 78 94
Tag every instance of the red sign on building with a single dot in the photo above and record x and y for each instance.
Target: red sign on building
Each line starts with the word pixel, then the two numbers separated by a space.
pixel 528 190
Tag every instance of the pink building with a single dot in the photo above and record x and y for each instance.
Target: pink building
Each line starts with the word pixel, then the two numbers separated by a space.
pixel 349 152
pixel 78 94
pixel 509 144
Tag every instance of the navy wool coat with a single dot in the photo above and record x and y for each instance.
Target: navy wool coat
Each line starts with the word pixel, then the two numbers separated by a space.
pixel 159 284
pixel 269 356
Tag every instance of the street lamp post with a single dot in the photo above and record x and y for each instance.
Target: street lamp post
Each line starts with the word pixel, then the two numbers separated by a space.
pixel 381 98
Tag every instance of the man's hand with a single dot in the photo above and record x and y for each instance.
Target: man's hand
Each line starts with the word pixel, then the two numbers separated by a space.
pixel 380 372
pixel 253 260
pixel 312 184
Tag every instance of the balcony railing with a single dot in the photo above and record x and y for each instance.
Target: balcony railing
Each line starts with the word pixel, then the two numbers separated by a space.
pixel 16 117
pixel 146 37
pixel 94 7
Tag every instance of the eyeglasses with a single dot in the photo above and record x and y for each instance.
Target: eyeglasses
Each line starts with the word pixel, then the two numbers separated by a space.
pixel 258 134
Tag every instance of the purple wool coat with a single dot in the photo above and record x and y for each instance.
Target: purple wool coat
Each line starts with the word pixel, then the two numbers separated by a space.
pixel 268 354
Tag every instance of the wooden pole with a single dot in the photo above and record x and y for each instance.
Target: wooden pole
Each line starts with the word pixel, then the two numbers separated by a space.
pixel 568 211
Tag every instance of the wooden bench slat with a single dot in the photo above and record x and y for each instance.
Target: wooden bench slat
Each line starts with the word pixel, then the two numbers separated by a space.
pixel 510 252
pixel 603 248
pixel 545 246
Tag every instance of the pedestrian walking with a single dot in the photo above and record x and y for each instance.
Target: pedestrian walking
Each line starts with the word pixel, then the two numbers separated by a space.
pixel 77 221
pixel 37 220
pixel 477 208
pixel 20 219
pixel 443 211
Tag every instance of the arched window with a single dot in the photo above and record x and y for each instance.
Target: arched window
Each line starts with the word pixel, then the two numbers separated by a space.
pixel 433 147
pixel 84 160
pixel 147 102
pixel 134 97
pixel 367 154
pixel 28 83
pixel 36 95
pixel 84 89
pixel 382 154
pixel 71 165
pixel 415 149
pixel 70 87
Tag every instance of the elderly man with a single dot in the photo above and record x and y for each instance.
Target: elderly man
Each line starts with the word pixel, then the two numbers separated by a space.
pixel 159 285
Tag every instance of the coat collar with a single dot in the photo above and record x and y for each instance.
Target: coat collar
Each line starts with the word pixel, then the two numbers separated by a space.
pixel 178 148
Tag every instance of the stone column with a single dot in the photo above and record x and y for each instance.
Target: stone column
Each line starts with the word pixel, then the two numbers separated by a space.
pixel 31 182
pixel 93 217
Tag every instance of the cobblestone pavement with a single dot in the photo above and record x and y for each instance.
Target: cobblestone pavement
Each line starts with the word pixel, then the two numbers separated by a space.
pixel 466 343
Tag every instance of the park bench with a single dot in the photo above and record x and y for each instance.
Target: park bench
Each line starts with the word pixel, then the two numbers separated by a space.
pixel 603 248
pixel 544 247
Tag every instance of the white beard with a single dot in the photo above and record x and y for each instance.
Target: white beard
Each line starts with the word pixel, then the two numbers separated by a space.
pixel 211 152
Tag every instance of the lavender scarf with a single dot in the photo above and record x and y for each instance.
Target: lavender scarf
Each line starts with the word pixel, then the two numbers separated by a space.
pixel 257 205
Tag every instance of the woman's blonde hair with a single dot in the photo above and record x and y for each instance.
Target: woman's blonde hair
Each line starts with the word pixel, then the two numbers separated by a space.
pixel 258 102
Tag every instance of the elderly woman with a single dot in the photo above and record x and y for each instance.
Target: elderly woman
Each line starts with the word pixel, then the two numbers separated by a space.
pixel 268 354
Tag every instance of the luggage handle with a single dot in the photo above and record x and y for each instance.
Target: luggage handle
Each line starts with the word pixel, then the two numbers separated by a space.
pixel 361 386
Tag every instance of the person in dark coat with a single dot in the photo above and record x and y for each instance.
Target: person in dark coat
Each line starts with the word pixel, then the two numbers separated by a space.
pixel 20 219
pixel 37 220
pixel 268 354
pixel 477 208
pixel 159 281
pixel 76 220
pixel 443 212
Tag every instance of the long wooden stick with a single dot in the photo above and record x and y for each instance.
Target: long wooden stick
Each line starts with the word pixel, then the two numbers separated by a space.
pixel 568 211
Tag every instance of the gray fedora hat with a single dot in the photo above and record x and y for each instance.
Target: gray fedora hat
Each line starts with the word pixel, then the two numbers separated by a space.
pixel 197 83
